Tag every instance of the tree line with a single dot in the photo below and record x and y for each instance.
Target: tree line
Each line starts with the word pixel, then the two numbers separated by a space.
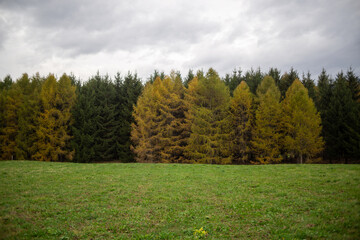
pixel 253 117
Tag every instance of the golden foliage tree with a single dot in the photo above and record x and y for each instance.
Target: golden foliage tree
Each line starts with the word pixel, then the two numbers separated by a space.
pixel 208 100
pixel 160 129
pixel 302 123
pixel 241 115
pixel 57 100
pixel 12 100
pixel 267 132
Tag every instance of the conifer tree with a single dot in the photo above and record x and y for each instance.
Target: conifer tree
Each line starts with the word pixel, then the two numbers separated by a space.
pixel 267 132
pixel 127 92
pixel 275 74
pixel 253 79
pixel 343 125
pixel 302 124
pixel 309 84
pixel 57 99
pixel 286 80
pixel 11 102
pixel 149 124
pixel 27 115
pixel 190 76
pixel 210 127
pixel 241 113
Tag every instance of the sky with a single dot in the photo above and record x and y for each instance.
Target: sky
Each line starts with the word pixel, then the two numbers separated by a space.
pixel 109 36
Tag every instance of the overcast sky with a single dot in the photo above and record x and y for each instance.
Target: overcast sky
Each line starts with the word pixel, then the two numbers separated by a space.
pixel 83 36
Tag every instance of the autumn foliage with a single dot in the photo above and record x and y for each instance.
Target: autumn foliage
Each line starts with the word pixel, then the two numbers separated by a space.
pixel 244 118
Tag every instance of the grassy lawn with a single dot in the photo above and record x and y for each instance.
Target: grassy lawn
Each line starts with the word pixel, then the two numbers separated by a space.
pixel 169 201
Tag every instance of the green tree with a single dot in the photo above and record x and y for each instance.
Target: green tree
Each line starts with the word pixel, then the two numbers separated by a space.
pixel 302 124
pixel 241 114
pixel 267 133
pixel 209 140
pixel 127 92
pixel 286 80
pixel 275 74
pixel 190 76
pixel 343 125
pixel 253 79
pixel 309 84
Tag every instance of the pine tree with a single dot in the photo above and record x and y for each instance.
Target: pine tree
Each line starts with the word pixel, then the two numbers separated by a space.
pixel 241 114
pixel 267 133
pixel 302 124
pixel 209 102
pixel 353 82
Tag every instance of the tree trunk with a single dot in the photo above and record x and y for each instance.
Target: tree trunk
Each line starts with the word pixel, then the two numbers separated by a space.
pixel 301 158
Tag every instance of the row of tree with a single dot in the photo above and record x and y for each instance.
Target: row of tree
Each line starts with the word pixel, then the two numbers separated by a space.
pixel 253 117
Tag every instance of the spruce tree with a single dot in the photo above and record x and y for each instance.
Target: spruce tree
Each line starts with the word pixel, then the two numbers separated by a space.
pixel 343 128
pixel 267 132
pixel 302 124
pixel 309 84
pixel 253 79
pixel 127 92
pixel 286 80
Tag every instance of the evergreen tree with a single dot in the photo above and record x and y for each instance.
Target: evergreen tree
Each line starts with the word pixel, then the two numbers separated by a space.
pixel 253 79
pixel 343 126
pixel 310 86
pixel 286 80
pixel 234 80
pixel 275 74
pixel 267 133
pixel 209 101
pixel 241 113
pixel 353 82
pixel 127 93
pixel 302 124
pixel 190 76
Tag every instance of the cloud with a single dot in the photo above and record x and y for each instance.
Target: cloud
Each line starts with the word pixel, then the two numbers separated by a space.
pixel 86 36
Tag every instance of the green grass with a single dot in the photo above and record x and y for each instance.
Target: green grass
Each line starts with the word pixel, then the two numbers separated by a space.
pixel 169 201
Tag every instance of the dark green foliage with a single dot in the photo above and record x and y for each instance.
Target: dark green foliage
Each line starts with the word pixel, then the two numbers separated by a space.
pixel 102 118
pixel 353 82
pixel 253 79
pixel 190 76
pixel 309 84
pixel 156 74
pixel 342 125
pixel 286 80
pixel 6 83
pixel 232 81
pixel 275 74
pixel 127 92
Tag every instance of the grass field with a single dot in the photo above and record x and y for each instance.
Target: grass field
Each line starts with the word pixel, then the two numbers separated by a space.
pixel 168 201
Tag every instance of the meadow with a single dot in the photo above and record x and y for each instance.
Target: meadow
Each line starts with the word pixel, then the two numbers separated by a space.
pixel 44 200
